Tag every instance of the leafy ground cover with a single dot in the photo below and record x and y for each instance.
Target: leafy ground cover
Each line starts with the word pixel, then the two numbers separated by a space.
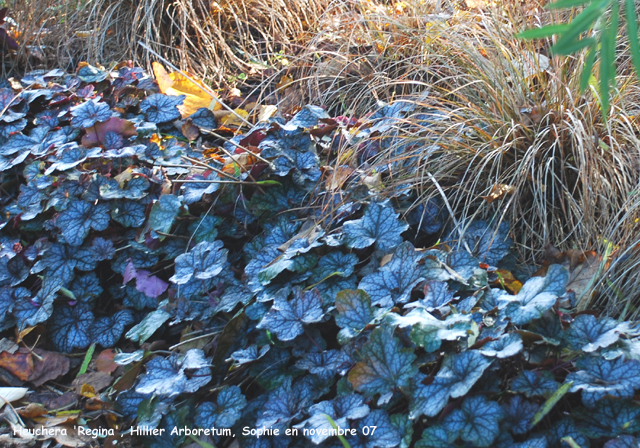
pixel 164 268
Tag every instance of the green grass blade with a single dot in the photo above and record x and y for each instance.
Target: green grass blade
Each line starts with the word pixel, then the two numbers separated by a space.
pixel 550 403
pixel 87 360
pixel 345 444
pixel 572 47
pixel 632 30
pixel 607 59
pixel 545 31
pixel 560 4
pixel 569 441
pixel 588 67
pixel 580 24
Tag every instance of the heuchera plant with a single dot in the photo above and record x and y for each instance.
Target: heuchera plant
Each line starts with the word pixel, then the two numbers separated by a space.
pixel 305 319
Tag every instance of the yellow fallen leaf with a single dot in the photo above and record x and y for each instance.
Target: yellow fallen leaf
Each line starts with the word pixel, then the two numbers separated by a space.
pixel 267 112
pixel 233 120
pixel 197 94
pixel 284 82
pixel 87 391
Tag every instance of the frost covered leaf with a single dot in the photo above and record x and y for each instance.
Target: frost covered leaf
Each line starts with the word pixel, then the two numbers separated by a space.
pixel 340 409
pixel 204 261
pixel 224 412
pixel 436 295
pixel 394 281
pixel 598 377
pixel 533 383
pixel 80 217
pixel 69 327
pixel 89 113
pixel 354 312
pixel 106 331
pixel 461 371
pixel 287 318
pixel 379 225
pixel 477 421
pixel 385 365
pixel 163 212
pixel 168 376
pixel 589 334
pixel 164 377
pixel 537 295
pixel 161 108
pixel 385 435
pixel 518 414
pixel 505 346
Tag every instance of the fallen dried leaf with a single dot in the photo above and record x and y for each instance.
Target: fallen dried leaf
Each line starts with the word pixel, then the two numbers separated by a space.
pixel 95 135
pixel 104 362
pixel 52 366
pixel 97 380
pixel 18 364
pixel 32 410
pixel 71 437
pixel 498 191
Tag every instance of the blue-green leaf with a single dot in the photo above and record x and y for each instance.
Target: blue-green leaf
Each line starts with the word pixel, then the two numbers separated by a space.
pixel 379 225
pixel 224 412
pixel 477 421
pixel 79 218
pixel 287 318
pixel 70 327
pixel 204 261
pixel 354 312
pixel 89 113
pixel 588 334
pixel 598 377
pixel 163 212
pixel 161 108
pixel 394 281
pixel 532 383
pixel 385 366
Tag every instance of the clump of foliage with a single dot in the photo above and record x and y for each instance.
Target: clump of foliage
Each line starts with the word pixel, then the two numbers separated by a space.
pixel 293 294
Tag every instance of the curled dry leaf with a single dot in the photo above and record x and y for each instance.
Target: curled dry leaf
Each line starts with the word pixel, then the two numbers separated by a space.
pixel 498 191
pixel 32 410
